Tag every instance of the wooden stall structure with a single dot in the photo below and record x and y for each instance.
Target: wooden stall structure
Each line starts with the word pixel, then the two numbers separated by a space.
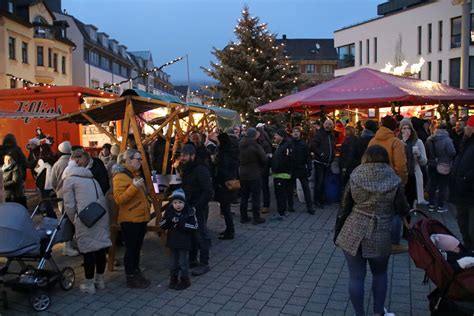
pixel 128 109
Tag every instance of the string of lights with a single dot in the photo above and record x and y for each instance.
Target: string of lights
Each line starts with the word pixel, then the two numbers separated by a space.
pixel 27 83
pixel 143 74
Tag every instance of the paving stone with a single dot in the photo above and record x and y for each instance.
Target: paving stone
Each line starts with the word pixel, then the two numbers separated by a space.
pixel 292 309
pixel 211 307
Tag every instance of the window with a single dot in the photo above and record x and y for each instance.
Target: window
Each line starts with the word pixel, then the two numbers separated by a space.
pixel 440 71
pixel 11 48
pixel 375 49
pixel 39 56
pixel 346 55
pixel 429 70
pixel 310 68
pixel 104 62
pixel 471 72
pixel 367 58
pixel 93 58
pixel 95 84
pixel 454 72
pixel 63 64
pixel 50 57
pixel 360 53
pixel 12 83
pixel 116 69
pixel 429 37
pixel 326 69
pixel 472 27
pixel 24 52
pixel 456 32
pixel 55 62
pixel 116 89
pixel 419 40
pixel 440 36
pixel 93 34
pixel 11 7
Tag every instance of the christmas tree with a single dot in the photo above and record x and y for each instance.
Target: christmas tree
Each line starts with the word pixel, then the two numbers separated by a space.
pixel 252 71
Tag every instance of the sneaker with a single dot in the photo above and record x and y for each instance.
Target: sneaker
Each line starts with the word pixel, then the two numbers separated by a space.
pixel 258 220
pixel 87 287
pixel 431 208
pixel 397 249
pixel 387 313
pixel 441 209
pixel 200 270
pixel 99 282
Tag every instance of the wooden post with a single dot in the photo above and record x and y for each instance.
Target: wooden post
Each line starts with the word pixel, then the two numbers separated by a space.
pixel 166 154
pixel 160 128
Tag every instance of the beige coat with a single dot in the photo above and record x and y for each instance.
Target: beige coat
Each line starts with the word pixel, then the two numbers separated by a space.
pixel 78 192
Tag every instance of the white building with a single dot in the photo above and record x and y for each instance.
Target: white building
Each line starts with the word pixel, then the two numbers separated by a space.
pixel 408 30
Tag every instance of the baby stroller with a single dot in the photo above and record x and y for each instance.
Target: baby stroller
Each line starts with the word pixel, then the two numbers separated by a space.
pixel 25 246
pixel 454 294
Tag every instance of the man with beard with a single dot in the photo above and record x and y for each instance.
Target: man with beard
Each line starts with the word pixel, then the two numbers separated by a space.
pixel 197 185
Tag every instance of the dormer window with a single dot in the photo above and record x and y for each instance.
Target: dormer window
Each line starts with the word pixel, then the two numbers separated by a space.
pixel 11 6
pixel 93 34
pixel 40 20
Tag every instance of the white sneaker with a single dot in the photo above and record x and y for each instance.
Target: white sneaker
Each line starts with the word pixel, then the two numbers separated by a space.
pixel 387 313
pixel 70 252
pixel 99 282
pixel 87 287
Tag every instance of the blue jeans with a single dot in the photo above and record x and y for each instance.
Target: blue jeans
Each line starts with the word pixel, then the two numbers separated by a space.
pixel 179 263
pixel 357 270
pixel 396 229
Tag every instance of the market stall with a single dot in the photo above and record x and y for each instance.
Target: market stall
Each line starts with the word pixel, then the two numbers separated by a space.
pixel 130 109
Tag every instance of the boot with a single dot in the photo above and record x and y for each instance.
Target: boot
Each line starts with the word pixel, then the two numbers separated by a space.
pixel 173 282
pixel 200 270
pixel 134 282
pixel 88 286
pixel 68 250
pixel 99 281
pixel 142 278
pixel 258 220
pixel 184 283
pixel 265 210
pixel 227 236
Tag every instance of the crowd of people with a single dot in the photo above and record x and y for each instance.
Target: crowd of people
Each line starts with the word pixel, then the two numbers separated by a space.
pixel 383 171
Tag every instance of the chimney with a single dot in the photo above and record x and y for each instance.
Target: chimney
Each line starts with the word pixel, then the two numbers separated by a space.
pixel 283 36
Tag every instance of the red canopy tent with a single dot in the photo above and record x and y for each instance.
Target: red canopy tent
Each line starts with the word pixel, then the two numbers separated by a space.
pixel 370 88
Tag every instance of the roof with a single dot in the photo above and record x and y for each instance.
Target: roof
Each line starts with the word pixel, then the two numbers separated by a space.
pixel 307 49
pixel 370 88
pixel 146 54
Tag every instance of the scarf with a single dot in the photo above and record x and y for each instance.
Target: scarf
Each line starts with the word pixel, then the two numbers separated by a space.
pixel 8 167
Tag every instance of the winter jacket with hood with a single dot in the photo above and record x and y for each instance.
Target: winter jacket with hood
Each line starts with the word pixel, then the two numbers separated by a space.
pixel 300 159
pixel 132 202
pixel 197 184
pixel 323 146
pixel 363 143
pixel 396 151
pixel 180 233
pixel 440 148
pixel 79 190
pixel 373 195
pixel 264 141
pixel 252 159
pixel 281 161
pixel 347 160
pixel 57 174
pixel 10 146
pixel 227 166
pixel 97 167
pixel 2 188
pixel 462 182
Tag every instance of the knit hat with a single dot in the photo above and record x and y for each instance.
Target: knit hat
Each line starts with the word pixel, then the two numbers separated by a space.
pixel 445 242
pixel 251 133
pixel 406 121
pixel 65 147
pixel 281 132
pixel 188 149
pixel 470 121
pixel 371 125
pixel 389 122
pixel 115 150
pixel 178 194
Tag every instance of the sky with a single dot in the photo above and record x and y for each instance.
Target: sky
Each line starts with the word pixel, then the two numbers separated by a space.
pixel 174 28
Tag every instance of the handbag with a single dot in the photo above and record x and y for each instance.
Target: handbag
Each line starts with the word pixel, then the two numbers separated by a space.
pixel 232 185
pixel 443 168
pixel 93 212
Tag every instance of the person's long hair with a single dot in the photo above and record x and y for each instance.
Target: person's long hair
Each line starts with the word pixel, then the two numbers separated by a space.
pixel 413 135
pixel 375 154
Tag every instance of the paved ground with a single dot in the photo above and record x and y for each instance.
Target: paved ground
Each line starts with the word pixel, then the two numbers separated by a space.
pixel 281 267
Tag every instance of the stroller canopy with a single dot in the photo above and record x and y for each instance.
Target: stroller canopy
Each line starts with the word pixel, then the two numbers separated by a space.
pixel 17 234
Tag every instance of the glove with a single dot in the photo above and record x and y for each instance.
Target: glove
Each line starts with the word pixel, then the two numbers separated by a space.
pixel 138 182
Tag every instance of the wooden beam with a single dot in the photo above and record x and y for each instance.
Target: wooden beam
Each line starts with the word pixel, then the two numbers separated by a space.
pixel 126 125
pixel 157 132
pixel 166 154
pixel 100 128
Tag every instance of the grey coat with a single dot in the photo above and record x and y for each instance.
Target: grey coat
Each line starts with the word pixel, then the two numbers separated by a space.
pixel 440 148
pixel 372 197
pixel 57 173
pixel 78 192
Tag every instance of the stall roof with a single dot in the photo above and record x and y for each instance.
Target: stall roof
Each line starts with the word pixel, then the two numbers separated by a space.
pixel 369 88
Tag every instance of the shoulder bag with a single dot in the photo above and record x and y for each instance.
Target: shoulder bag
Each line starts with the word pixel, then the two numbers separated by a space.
pixel 93 212
pixel 233 185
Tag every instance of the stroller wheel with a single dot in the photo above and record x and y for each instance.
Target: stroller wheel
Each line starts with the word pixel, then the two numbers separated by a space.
pixel 4 300
pixel 40 301
pixel 67 278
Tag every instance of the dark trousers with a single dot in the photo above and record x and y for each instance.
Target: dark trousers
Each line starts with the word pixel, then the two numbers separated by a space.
pixel 47 206
pixel 201 239
pixel 320 175
pixel 94 262
pixel 410 189
pixel 465 216
pixel 283 194
pixel 437 182
pixel 179 263
pixel 306 191
pixel 265 184
pixel 228 218
pixel 248 187
pixel 132 235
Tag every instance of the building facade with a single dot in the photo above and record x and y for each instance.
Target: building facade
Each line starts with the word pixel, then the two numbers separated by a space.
pixel 34 45
pixel 316 59
pixel 407 30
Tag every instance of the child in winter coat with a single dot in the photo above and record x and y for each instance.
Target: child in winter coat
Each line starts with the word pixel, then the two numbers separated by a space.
pixel 180 221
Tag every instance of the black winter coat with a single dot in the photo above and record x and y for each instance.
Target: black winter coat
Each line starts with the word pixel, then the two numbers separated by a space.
pixel 265 141
pixel 180 231
pixel 281 161
pixel 300 159
pixel 462 175
pixel 362 144
pixel 349 150
pixel 197 185
pixel 99 172
pixel 227 166
pixel 13 184
pixel 252 159
pixel 323 146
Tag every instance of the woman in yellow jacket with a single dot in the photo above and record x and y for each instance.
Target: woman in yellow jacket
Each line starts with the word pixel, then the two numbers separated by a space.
pixel 133 214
